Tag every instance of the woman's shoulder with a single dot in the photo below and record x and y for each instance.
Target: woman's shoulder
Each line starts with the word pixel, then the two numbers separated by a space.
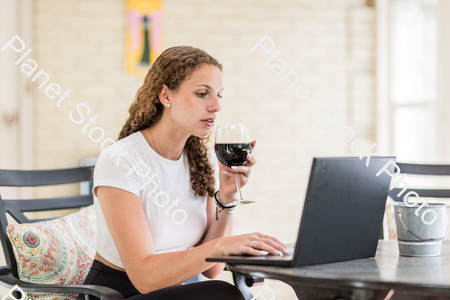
pixel 122 150
pixel 117 166
pixel 127 144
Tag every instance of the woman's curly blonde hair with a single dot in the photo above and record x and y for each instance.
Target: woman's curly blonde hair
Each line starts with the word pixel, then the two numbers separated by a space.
pixel 171 68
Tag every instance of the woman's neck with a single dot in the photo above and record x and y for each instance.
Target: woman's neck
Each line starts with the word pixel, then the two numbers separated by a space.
pixel 165 140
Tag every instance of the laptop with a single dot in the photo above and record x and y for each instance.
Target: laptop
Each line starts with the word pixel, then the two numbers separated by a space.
pixel 342 214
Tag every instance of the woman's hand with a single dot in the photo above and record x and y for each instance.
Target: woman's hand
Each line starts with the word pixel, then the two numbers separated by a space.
pixel 251 244
pixel 227 179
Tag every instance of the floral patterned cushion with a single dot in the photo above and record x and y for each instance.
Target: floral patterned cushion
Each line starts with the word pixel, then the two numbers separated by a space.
pixel 60 251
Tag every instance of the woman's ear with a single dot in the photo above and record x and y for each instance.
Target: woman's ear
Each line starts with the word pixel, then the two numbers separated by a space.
pixel 164 95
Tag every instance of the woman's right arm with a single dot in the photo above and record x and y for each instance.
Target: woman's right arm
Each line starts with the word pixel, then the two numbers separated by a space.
pixel 148 271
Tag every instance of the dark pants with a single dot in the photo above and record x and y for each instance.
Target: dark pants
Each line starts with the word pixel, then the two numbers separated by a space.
pixel 100 274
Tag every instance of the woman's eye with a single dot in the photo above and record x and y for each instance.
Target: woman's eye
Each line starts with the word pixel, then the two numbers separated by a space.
pixel 219 96
pixel 201 94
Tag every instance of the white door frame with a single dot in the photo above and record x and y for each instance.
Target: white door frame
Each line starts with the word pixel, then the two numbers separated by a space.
pixel 16 98
pixel 443 85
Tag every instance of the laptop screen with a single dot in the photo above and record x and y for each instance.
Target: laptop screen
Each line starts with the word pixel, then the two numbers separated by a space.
pixel 343 212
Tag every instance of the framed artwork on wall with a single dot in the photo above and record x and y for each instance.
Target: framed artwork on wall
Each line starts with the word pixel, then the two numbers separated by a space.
pixel 144 34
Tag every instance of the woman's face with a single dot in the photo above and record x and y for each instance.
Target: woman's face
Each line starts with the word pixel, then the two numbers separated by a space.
pixel 194 106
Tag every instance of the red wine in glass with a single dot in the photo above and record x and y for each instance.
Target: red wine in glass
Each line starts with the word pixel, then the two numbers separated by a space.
pixel 233 154
pixel 232 144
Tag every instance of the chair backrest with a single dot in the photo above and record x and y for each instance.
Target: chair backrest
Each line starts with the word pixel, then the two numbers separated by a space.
pixel 422 169
pixel 17 208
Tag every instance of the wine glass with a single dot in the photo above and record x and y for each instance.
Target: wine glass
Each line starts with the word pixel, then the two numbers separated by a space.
pixel 232 146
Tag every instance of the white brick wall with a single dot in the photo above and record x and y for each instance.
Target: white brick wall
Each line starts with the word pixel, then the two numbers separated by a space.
pixel 330 44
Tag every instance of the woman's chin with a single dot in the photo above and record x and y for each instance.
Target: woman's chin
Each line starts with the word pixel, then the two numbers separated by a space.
pixel 203 134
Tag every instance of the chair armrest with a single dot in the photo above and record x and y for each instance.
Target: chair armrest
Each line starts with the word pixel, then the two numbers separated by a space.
pixel 249 280
pixel 4 270
pixel 243 282
pixel 101 292
pixel 253 280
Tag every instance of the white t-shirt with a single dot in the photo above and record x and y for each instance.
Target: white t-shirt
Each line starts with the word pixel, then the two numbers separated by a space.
pixel 175 216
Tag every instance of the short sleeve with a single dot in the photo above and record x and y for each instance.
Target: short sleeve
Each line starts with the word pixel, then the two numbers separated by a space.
pixel 117 167
pixel 215 165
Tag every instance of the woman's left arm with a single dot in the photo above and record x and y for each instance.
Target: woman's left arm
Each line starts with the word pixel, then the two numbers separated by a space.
pixel 227 194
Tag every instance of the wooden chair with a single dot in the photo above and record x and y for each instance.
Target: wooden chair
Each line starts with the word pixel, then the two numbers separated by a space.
pixel 16 209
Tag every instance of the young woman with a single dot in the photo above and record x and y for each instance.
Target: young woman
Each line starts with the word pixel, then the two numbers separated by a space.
pixel 155 189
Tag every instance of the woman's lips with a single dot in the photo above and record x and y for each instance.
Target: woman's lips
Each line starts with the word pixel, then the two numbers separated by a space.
pixel 209 124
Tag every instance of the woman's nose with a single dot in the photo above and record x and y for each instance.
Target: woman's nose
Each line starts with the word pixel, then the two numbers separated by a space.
pixel 215 106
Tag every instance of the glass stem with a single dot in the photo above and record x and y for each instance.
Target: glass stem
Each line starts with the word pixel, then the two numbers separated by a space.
pixel 236 175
